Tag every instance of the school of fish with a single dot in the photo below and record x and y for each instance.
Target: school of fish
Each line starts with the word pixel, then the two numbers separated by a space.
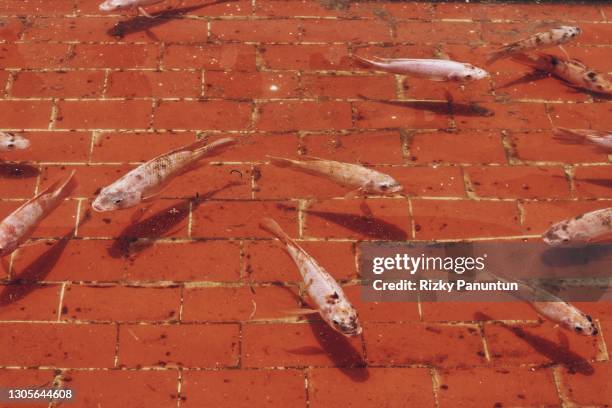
pixel 148 180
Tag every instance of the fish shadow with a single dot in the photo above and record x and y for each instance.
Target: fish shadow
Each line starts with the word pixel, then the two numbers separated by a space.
pixel 367 225
pixel 525 79
pixel 607 183
pixel 342 353
pixel 572 256
pixel 440 107
pixel 36 271
pixel 140 235
pixel 143 23
pixel 18 170
pixel 557 353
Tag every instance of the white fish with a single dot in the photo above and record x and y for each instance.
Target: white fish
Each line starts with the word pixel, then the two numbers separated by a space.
pixel 11 141
pixel 332 304
pixel 433 69
pixel 599 139
pixel 553 37
pixel 148 179
pixel 580 230
pixel 113 5
pixel 361 178
pixel 19 225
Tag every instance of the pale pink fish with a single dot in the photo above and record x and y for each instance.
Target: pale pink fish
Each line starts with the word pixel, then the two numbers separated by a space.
pixel 600 139
pixel 553 37
pixel 554 308
pixel 433 69
pixel 573 72
pixel 11 141
pixel 150 178
pixel 362 179
pixel 19 225
pixel 580 230
pixel 113 5
pixel 331 302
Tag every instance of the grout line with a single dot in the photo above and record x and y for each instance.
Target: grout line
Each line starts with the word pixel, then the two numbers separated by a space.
pixel 61 302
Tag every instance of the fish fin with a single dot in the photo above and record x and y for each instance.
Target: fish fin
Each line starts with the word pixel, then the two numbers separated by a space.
pixel 280 161
pixel 268 224
pixel 528 60
pixel 214 145
pixel 497 55
pixel 58 188
pixel 566 135
pixel 357 193
pixel 564 51
pixel 151 196
pixel 315 158
pixel 301 312
pixel 144 12
pixel 366 61
pixel 438 79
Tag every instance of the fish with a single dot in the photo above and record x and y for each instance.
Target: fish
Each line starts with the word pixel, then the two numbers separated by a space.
pixel 573 72
pixel 554 37
pixel 600 139
pixel 150 178
pixel 554 308
pixel 332 304
pixel 17 227
pixel 580 230
pixel 433 69
pixel 11 141
pixel 363 179
pixel 113 5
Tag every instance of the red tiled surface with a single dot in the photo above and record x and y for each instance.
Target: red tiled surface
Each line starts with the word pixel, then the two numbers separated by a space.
pixel 188 304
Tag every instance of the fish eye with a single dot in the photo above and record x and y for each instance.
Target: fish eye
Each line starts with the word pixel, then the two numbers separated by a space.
pixel 336 323
pixel 10 145
pixel 118 200
pixel 468 76
pixel 589 318
pixel 578 329
pixel 384 187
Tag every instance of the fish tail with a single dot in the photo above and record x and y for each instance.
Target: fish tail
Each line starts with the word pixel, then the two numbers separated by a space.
pixel 206 148
pixel 280 161
pixel 368 62
pixel 271 226
pixel 568 136
pixel 496 55
pixel 58 188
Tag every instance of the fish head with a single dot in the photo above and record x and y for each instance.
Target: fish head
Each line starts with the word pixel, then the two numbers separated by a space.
pixel 11 141
pixel 557 235
pixel 112 5
pixel 387 185
pixel 472 73
pixel 570 32
pixel 344 319
pixel 582 324
pixel 115 199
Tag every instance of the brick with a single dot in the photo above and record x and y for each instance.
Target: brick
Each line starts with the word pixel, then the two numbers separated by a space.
pixel 33 55
pixel 101 114
pixel 253 147
pixel 161 84
pixel 442 32
pixel 109 388
pixel 119 303
pixel 410 343
pixel 11 28
pixel 376 147
pixel 242 388
pixel 267 261
pixel 114 56
pixel 592 57
pixel 56 224
pixel 210 115
pixel 251 85
pixel 464 219
pixel 36 7
pixel 306 57
pixel 506 116
pixel 19 378
pixel 4 75
pixel 526 12
pixel 535 86
pixel 457 147
pixel 298 345
pixel 518 181
pixel 515 344
pixel 349 86
pixel 389 219
pixel 478 55
pixel 238 303
pixel 390 10
pixel 541 146
pixel 284 116
pixel 18 180
pixel 212 181
pixel 428 181
pixel 389 387
pixel 69 29
pixel 592 182
pixel 381 311
pixel 466 97
pixel 256 30
pixel 355 31
pixel 594 34
pixel 55 146
pixel 488 386
pixel 66 345
pixel 25 114
pixel 392 51
pixel 23 301
pixel 89 179
pixel 169 30
pixel 123 147
pixel 539 216
pixel 240 219
pixel 235 57
pixel 588 390
pixel 173 345
pixel 579 115
pixel 67 84
pixel 476 311
pixel 400 114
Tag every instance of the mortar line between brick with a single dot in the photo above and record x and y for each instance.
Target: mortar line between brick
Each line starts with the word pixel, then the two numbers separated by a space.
pixel 604 345
pixel 61 301
pixel 435 385
pixel 116 358
pixel 179 387
pixel 557 381
pixel 306 374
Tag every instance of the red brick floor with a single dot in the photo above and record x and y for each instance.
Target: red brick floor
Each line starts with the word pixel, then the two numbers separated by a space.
pixel 168 321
